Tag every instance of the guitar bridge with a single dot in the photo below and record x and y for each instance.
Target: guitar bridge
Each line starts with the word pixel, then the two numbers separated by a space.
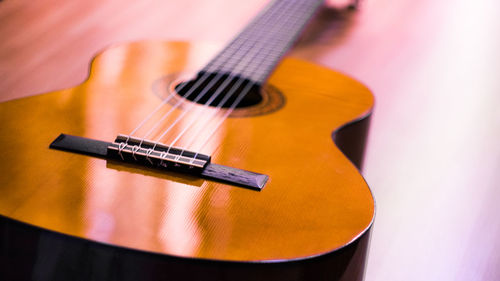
pixel 150 154
pixel 135 150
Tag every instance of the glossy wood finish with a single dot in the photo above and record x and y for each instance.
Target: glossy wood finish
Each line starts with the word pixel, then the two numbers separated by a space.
pixel 315 201
pixel 432 157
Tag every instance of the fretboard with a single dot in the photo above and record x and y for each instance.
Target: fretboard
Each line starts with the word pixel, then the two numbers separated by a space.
pixel 255 52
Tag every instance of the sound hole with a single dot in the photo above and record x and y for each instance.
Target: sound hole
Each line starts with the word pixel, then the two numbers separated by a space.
pixel 220 88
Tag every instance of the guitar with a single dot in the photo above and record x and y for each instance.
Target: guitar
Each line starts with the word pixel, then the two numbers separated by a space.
pixel 163 166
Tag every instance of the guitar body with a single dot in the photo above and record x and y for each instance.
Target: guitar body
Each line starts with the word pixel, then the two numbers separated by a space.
pixel 66 216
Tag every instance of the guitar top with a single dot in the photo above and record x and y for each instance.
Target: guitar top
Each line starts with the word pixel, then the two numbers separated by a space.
pixel 310 200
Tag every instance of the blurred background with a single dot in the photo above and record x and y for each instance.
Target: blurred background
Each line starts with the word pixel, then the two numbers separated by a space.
pixel 433 156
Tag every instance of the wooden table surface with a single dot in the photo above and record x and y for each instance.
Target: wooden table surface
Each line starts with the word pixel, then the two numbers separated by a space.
pixel 433 158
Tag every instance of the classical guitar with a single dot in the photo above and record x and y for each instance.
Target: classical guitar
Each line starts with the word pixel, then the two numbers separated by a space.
pixel 168 165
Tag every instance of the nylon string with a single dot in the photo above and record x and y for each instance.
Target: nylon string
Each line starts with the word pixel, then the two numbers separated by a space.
pixel 246 62
pixel 240 66
pixel 201 80
pixel 232 91
pixel 267 18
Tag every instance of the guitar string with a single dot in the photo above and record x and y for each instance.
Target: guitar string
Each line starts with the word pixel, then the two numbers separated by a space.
pixel 246 90
pixel 243 93
pixel 244 63
pixel 264 15
pixel 206 75
pixel 220 74
pixel 230 47
pixel 234 88
pixel 268 17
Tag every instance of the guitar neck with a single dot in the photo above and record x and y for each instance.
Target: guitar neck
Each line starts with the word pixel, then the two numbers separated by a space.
pixel 256 50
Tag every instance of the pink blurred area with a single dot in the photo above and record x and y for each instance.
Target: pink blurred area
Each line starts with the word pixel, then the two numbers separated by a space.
pixel 433 159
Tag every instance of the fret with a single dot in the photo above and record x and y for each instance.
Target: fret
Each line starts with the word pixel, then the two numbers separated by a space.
pixel 255 52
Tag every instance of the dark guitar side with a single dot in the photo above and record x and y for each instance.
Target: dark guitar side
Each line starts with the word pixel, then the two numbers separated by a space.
pixel 59 220
pixel 31 253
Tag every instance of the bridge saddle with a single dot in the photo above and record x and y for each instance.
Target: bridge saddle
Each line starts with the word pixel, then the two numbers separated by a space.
pixel 131 149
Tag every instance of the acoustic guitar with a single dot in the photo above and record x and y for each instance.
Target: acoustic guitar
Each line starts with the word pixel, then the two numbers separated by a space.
pixel 167 165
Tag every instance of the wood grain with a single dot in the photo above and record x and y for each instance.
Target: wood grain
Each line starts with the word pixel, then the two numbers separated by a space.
pixel 314 202
pixel 432 156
